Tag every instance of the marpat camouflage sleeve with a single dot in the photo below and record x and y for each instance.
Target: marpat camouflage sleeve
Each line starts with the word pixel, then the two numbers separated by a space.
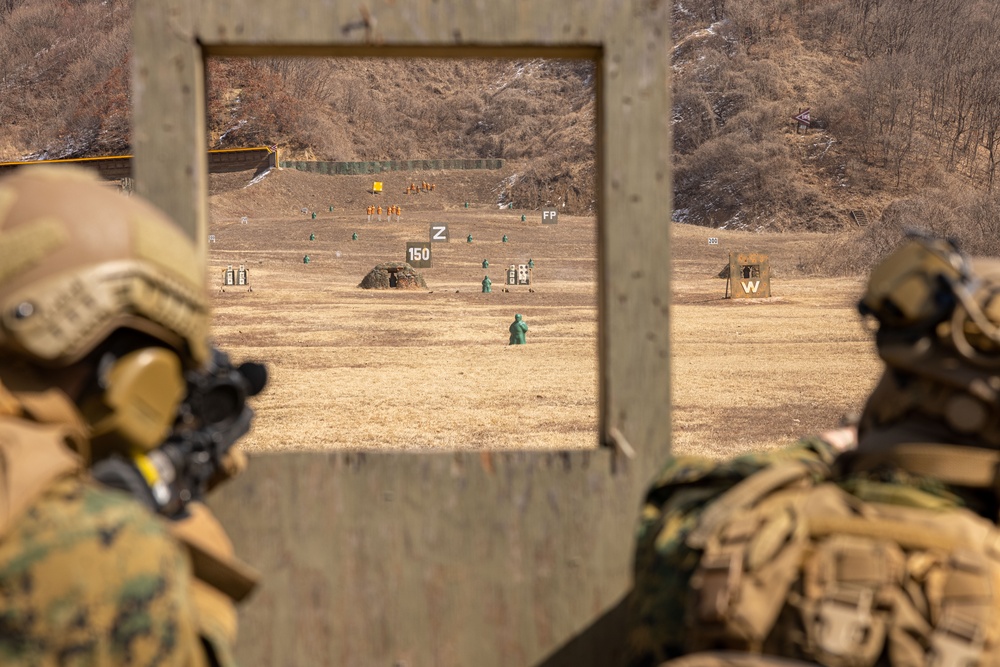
pixel 88 577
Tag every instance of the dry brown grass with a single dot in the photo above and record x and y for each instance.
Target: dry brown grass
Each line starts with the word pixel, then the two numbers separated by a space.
pixel 757 374
pixel 417 370
pixel 432 369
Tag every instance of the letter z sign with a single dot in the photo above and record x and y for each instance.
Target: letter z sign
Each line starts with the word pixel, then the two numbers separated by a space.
pixel 550 216
pixel 439 232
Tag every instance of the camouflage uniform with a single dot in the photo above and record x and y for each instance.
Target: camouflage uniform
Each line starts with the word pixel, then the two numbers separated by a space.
pixel 103 313
pixel 886 554
pixel 87 575
pixel 665 562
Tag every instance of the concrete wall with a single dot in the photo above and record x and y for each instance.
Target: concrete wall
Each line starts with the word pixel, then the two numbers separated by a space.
pixel 240 159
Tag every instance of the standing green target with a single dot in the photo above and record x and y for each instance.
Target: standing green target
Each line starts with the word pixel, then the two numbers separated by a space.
pixel 518 328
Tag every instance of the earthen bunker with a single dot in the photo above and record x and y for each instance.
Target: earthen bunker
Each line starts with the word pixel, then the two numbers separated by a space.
pixel 393 275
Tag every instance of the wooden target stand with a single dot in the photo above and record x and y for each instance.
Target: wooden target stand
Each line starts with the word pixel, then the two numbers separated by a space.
pixel 454 558
pixel 519 274
pixel 749 276
pixel 233 277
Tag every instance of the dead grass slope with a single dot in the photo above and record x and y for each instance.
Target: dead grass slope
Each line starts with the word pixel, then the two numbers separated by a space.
pixel 431 369
pixel 285 192
pixel 903 119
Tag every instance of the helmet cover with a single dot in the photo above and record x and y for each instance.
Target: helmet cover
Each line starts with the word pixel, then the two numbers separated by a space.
pixel 79 260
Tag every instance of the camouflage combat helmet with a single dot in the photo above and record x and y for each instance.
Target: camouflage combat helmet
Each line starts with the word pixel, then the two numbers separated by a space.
pixel 938 314
pixel 79 261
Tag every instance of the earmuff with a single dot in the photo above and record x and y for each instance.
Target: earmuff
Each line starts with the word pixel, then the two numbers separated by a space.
pixel 137 402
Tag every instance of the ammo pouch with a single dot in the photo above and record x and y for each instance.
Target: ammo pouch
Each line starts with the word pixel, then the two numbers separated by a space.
pixel 802 569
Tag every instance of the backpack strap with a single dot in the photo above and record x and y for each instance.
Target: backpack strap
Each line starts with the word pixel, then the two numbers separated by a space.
pixel 910 536
pixel 974 467
pixel 9 405
pixel 753 542
pixel 744 496
pixel 212 555
pixel 966 608
pixel 32 456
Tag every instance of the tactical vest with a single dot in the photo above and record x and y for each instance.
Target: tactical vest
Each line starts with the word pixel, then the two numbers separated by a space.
pixel 801 569
pixel 39 434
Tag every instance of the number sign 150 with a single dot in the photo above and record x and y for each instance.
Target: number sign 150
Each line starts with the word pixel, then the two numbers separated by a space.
pixel 418 254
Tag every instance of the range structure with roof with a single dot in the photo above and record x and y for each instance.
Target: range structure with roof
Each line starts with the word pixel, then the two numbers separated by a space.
pixel 118 167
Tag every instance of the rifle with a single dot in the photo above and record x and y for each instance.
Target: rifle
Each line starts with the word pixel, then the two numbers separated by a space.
pixel 210 419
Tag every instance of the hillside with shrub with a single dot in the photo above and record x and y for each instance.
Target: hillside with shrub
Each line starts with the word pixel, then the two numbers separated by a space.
pixel 903 95
pixel 64 92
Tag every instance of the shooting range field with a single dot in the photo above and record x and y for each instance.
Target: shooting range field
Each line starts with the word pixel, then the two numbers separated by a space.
pixel 754 374
pixel 431 369
pixel 407 369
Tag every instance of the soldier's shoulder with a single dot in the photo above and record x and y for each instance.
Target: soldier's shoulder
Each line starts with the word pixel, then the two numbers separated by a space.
pixel 665 560
pixel 82 502
pixel 687 471
pixel 90 569
pixel 83 527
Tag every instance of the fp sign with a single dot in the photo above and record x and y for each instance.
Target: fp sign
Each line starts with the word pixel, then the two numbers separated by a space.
pixel 550 216
pixel 418 254
pixel 439 232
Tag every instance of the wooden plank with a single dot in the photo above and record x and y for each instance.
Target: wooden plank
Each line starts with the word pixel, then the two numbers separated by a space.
pixel 447 559
pixel 446 25
pixel 168 113
pixel 749 276
pixel 634 210
pixel 515 561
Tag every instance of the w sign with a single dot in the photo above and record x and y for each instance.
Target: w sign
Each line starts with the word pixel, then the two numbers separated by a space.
pixel 749 276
